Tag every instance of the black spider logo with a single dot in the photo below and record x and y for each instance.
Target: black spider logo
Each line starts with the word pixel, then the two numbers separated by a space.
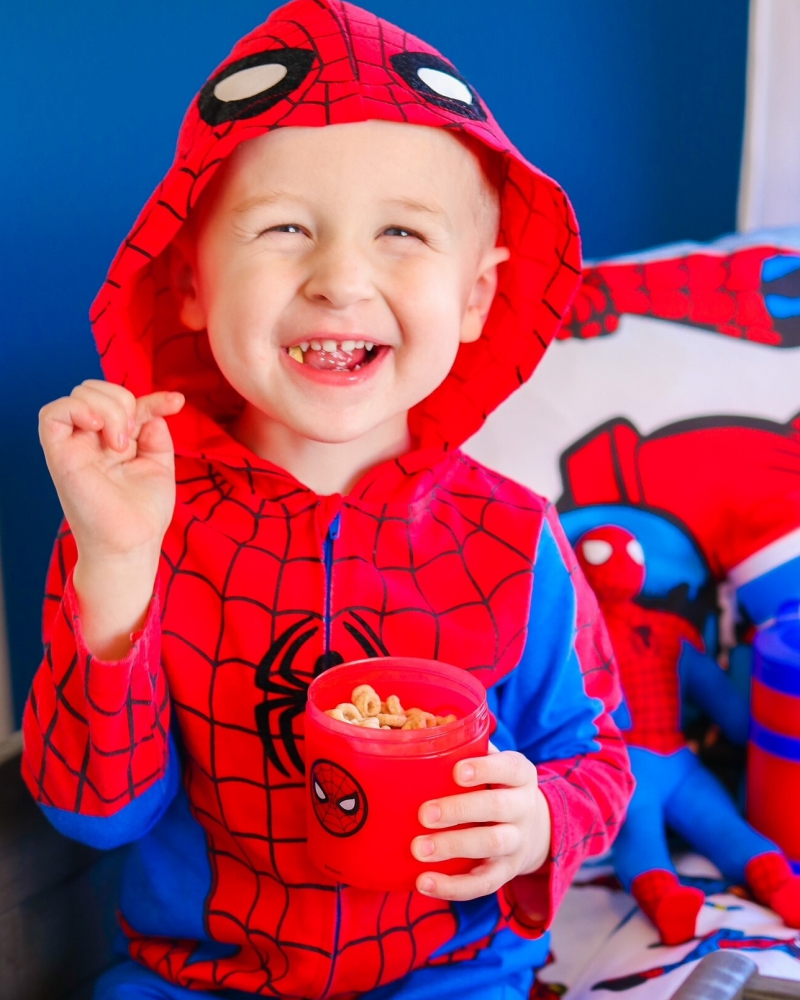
pixel 286 693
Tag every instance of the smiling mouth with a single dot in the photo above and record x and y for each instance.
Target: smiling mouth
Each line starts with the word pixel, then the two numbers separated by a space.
pixel 335 356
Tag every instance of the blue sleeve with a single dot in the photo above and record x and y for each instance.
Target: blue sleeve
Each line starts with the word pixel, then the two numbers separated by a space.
pixel 130 823
pixel 706 683
pixel 542 707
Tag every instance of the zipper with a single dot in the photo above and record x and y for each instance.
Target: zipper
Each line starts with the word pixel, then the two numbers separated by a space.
pixel 333 533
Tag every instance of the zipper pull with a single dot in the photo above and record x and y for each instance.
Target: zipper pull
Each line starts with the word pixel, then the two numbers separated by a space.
pixel 335 527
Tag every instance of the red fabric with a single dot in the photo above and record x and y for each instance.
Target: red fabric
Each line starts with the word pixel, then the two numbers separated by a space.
pixel 719 292
pixel 733 485
pixel 672 907
pixel 95 731
pixel 773 883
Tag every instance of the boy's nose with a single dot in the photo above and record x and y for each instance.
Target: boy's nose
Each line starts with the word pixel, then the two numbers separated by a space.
pixel 340 277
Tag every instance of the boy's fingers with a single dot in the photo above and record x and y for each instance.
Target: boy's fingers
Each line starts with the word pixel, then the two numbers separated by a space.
pixel 111 411
pixel 57 420
pixel 486 805
pixel 118 393
pixel 155 441
pixel 495 841
pixel 500 768
pixel 157 404
pixel 483 880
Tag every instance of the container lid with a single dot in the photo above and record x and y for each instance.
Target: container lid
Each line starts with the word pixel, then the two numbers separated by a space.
pixel 777 651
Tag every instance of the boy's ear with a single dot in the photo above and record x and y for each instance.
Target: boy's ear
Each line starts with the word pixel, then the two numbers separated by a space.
pixel 184 285
pixel 482 294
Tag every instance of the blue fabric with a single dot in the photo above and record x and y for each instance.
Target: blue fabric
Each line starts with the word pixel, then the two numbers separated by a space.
pixel 130 981
pixel 676 789
pixel 502 972
pixel 705 682
pixel 542 710
pixel 131 822
pixel 167 878
pixel 774 268
pixel 545 711
pixel 761 598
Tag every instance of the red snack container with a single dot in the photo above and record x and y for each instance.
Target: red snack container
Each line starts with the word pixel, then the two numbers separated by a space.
pixel 364 786
pixel 773 753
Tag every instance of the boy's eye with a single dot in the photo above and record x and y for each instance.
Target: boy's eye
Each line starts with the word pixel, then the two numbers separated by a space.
pixel 400 231
pixel 288 227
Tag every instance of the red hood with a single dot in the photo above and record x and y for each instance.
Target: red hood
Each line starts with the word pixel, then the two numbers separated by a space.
pixel 342 65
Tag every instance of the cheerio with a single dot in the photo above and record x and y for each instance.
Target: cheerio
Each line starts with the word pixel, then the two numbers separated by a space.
pixel 364 786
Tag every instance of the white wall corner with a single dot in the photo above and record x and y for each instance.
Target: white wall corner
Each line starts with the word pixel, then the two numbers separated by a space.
pixel 769 187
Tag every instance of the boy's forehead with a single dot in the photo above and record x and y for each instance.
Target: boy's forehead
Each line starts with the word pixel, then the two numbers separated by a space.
pixel 396 160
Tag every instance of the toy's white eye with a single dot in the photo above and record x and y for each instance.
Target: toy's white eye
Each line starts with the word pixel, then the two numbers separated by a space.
pixel 249 82
pixel 635 551
pixel 444 84
pixel 596 551
pixel 319 792
pixel 349 804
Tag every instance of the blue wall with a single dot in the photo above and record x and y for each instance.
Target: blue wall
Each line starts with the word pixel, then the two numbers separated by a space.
pixel 636 107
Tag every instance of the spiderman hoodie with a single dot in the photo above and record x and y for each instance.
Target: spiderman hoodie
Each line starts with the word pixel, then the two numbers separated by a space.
pixel 191 748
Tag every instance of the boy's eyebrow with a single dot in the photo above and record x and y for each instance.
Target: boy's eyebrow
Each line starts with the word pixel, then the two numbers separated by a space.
pixel 265 198
pixel 419 206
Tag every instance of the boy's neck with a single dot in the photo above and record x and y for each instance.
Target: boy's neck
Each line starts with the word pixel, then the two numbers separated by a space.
pixel 323 467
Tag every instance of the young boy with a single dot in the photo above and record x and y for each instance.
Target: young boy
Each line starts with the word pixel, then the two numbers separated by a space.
pixel 346 269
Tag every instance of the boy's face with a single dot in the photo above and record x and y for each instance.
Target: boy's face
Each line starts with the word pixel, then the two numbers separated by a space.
pixel 314 243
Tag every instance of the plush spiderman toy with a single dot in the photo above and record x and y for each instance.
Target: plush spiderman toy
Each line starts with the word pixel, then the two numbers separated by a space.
pixel 660 658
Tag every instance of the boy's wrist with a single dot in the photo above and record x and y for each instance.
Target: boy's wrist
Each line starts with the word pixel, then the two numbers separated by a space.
pixel 96 562
pixel 541 842
pixel 113 596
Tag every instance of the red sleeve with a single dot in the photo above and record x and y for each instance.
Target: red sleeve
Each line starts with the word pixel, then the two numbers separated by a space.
pixel 95 732
pixel 587 794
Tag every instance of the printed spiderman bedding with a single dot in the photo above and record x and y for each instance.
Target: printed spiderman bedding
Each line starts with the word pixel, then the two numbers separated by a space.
pixel 191 748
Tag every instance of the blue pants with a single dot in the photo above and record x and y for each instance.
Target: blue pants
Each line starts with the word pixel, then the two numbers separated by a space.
pixel 500 972
pixel 676 790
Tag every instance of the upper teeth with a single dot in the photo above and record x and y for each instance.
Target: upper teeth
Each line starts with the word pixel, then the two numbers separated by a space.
pixel 332 345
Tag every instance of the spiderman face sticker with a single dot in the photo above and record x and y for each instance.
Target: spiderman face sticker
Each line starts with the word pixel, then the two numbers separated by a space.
pixel 339 801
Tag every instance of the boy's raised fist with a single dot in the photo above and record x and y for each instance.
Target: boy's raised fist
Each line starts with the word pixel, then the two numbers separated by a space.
pixel 112 462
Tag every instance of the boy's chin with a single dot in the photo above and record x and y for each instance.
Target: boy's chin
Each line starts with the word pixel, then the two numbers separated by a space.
pixel 342 433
